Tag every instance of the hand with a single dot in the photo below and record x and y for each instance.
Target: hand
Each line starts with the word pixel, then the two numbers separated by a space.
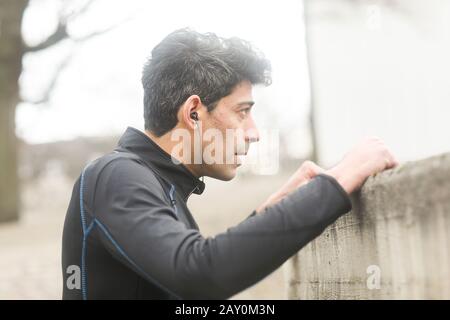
pixel 303 175
pixel 368 157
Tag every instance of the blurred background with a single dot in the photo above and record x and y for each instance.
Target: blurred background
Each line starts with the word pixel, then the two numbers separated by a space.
pixel 70 85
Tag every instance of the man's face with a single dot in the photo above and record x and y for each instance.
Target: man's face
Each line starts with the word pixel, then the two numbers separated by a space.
pixel 232 121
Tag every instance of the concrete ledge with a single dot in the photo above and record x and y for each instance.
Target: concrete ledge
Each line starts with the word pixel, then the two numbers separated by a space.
pixel 394 244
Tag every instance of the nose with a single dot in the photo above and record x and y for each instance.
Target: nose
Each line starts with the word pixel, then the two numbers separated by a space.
pixel 251 132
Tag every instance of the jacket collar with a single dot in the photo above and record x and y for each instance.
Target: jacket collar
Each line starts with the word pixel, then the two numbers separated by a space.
pixel 149 151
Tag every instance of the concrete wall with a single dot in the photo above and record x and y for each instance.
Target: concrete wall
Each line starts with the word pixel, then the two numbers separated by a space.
pixel 398 233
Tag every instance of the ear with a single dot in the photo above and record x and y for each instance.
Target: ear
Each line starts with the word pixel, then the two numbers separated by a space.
pixel 192 104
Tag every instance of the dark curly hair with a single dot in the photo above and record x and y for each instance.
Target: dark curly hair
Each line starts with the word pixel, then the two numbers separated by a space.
pixel 185 63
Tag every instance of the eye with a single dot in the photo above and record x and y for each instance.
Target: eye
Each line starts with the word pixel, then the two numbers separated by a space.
pixel 245 111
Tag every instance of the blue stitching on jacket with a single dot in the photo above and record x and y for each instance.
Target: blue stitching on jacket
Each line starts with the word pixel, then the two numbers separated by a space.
pixel 87 230
pixel 85 235
pixel 116 245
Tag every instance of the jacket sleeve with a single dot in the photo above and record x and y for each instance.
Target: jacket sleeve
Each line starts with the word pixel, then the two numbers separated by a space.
pixel 142 231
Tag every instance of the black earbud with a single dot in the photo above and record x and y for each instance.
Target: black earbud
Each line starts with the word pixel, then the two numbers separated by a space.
pixel 194 115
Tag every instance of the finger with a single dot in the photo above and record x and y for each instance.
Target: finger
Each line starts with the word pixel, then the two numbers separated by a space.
pixel 313 169
pixel 387 163
pixel 390 163
pixel 393 160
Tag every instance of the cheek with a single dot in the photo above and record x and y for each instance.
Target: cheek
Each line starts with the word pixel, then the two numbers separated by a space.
pixel 220 115
pixel 225 119
pixel 224 122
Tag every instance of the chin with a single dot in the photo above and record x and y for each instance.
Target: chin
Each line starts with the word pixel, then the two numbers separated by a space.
pixel 224 173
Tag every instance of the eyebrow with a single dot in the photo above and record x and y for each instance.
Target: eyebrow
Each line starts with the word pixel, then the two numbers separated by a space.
pixel 249 103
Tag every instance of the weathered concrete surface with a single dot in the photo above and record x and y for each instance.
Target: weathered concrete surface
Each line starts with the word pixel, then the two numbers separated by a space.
pixel 399 229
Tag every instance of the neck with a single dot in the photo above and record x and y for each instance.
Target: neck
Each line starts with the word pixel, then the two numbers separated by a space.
pixel 167 144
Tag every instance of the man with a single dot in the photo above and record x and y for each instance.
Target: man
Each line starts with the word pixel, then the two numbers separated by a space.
pixel 128 233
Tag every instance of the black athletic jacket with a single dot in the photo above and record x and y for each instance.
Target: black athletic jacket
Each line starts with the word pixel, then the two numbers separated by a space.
pixel 128 233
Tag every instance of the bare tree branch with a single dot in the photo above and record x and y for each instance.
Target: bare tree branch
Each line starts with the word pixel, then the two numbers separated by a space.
pixel 61 34
pixel 47 92
pixel 100 32
pixel 61 31
pixel 76 13
pixel 46 95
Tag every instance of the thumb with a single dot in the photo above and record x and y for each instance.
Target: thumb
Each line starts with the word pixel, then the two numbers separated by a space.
pixel 312 169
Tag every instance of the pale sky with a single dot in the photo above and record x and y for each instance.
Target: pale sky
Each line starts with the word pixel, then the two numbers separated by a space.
pixel 100 93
